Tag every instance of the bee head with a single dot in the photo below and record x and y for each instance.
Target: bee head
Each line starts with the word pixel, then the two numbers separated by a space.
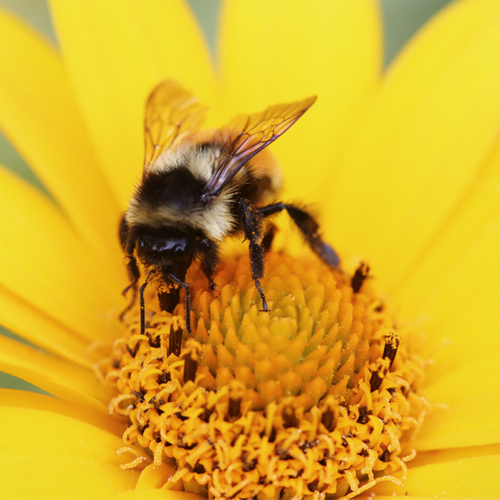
pixel 168 249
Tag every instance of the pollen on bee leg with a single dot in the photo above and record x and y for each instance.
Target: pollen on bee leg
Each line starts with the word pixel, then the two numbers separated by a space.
pixel 318 397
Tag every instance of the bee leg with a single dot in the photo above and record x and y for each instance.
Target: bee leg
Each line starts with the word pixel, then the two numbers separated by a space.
pixel 309 228
pixel 127 240
pixel 210 251
pixel 142 305
pixel 252 220
pixel 123 233
pixel 265 307
pixel 133 272
pixel 268 238
pixel 187 300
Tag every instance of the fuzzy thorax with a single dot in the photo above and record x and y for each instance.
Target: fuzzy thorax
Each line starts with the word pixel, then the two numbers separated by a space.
pixel 171 190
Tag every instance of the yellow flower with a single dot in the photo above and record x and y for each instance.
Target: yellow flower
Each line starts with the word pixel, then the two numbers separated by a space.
pixel 406 166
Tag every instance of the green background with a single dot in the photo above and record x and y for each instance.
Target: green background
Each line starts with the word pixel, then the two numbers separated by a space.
pixel 402 18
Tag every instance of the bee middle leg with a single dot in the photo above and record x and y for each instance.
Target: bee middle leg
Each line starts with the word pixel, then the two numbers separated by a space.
pixel 252 224
pixel 308 227
pixel 268 238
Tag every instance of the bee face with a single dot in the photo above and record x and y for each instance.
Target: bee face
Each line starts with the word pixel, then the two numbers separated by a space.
pixel 167 249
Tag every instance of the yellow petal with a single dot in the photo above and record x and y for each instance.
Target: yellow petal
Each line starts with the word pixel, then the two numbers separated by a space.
pixel 466 407
pixel 159 495
pixel 116 52
pixel 63 379
pixel 44 262
pixel 281 51
pixel 151 480
pixel 41 402
pixel 417 149
pixel 47 455
pixel 33 325
pixel 465 477
pixel 391 497
pixel 454 290
pixel 40 116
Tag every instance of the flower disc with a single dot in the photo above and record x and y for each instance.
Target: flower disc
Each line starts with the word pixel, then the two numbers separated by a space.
pixel 317 397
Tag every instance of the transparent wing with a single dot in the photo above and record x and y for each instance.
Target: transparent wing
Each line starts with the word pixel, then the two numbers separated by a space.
pixel 172 116
pixel 257 132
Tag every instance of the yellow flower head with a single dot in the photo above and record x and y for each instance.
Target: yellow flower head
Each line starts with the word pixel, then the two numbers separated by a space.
pixel 305 401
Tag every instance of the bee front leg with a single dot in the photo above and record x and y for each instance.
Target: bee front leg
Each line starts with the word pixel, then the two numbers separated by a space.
pixel 134 274
pixel 252 224
pixel 210 251
pixel 142 303
pixel 127 241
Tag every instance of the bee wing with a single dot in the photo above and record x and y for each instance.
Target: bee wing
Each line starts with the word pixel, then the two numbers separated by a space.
pixel 257 132
pixel 172 115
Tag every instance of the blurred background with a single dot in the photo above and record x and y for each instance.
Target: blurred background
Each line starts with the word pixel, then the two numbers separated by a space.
pixel 401 18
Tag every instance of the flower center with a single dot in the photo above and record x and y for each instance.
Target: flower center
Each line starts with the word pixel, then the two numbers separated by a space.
pixel 317 397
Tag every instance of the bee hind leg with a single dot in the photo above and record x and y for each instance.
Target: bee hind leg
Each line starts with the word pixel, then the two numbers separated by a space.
pixel 309 229
pixel 253 233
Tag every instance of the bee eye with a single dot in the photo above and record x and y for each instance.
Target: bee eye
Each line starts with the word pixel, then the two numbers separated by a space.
pixel 170 245
pixel 178 246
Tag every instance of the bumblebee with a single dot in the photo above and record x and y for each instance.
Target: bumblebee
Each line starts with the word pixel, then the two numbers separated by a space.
pixel 199 188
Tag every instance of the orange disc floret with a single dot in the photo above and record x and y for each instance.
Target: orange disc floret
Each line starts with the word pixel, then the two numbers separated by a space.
pixel 317 397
